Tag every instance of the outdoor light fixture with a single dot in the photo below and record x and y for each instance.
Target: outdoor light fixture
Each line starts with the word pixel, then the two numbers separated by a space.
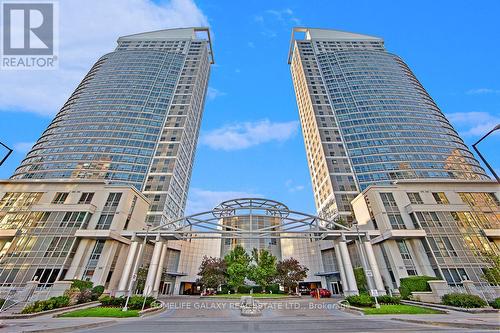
pixel 6 156
pixel 497 127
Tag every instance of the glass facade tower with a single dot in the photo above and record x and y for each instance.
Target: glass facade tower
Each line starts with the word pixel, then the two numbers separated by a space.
pixel 134 119
pixel 366 119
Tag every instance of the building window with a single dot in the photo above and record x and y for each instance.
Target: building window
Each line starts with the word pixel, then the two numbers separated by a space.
pixel 60 197
pixel 406 256
pixel 86 198
pixel 389 202
pixel 415 198
pixel 440 198
pixel 396 221
pixel 113 200
pixel 105 221
pixel 93 260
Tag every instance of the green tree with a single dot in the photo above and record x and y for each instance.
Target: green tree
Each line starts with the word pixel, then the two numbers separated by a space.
pixel 264 270
pixel 359 275
pixel 238 266
pixel 212 272
pixel 290 272
pixel 492 272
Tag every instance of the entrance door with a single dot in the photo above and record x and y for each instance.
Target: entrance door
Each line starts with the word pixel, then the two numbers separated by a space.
pixel 335 288
pixel 167 288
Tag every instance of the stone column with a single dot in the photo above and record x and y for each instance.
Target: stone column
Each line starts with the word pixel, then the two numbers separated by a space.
pixel 153 267
pixel 128 266
pixel 379 284
pixel 345 286
pixel 135 267
pixel 159 272
pixel 349 272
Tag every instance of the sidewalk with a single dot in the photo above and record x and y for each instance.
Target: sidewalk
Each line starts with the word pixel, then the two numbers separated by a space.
pixel 452 319
pixel 49 324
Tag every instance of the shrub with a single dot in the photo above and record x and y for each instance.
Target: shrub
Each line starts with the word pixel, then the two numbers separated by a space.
pixel 97 292
pixel 84 296
pixel 82 285
pixel 49 304
pixel 387 299
pixel 414 283
pixel 112 301
pixel 495 303
pixel 135 302
pixel 463 300
pixel 362 300
pixel 73 294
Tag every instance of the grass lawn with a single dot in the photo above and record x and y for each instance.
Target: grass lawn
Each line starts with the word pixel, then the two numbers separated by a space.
pixel 255 295
pixel 102 312
pixel 399 309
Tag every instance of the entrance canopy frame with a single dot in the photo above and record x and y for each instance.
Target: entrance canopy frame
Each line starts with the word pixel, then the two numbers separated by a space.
pixel 210 224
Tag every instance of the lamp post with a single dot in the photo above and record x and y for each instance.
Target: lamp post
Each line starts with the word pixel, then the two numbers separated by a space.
pixel 497 127
pixel 8 154
pixel 371 280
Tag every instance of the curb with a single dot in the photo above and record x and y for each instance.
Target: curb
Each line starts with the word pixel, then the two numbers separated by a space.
pixel 448 308
pixel 449 324
pixel 350 309
pixel 72 328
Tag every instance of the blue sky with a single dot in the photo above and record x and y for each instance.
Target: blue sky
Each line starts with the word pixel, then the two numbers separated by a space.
pixel 250 141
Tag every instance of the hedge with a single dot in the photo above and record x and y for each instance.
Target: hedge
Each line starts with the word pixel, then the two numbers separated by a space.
pixel 463 300
pixel 495 303
pixel 82 285
pixel 134 303
pixel 362 300
pixel 365 300
pixel 414 283
pixel 49 304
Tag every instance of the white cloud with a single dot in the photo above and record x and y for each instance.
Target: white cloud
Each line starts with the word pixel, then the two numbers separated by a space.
pixel 251 45
pixel 482 91
pixel 201 200
pixel 274 20
pixel 248 134
pixel 473 123
pixel 284 15
pixel 23 147
pixel 88 29
pixel 292 187
pixel 213 93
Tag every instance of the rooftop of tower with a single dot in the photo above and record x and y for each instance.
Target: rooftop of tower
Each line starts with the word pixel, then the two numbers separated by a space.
pixel 193 33
pixel 328 34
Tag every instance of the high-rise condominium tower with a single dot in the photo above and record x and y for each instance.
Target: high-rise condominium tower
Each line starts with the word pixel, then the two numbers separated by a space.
pixel 366 119
pixel 134 119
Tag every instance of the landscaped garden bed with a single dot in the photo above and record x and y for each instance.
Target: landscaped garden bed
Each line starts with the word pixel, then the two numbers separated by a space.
pixel 388 305
pixel 255 295
pixel 81 292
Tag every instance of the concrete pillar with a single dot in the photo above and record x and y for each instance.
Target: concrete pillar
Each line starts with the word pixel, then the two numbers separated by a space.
pixel 127 268
pixel 349 272
pixel 153 267
pixel 159 271
pixel 379 284
pixel 135 267
pixel 343 279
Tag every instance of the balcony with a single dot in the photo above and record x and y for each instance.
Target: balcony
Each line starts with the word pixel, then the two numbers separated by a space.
pixel 492 233
pixel 102 234
pixel 64 208
pixel 8 233
pixel 436 208
pixel 396 234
